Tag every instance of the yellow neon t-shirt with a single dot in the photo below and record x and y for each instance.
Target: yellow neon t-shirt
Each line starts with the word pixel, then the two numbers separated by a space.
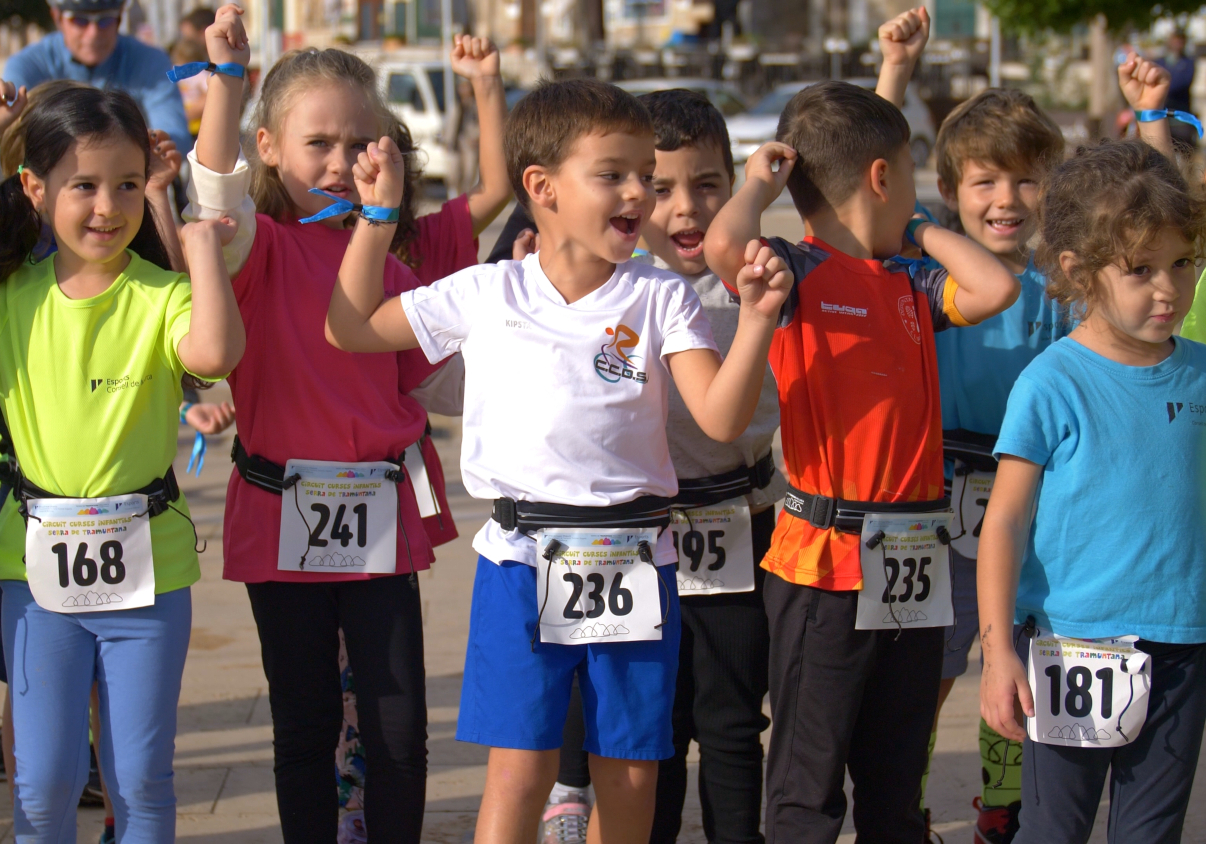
pixel 1194 326
pixel 90 389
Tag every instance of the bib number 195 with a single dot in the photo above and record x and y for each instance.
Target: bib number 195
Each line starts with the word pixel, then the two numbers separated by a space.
pixel 83 570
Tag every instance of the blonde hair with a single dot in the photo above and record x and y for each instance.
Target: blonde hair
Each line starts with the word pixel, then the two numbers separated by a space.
pixel 298 70
pixel 12 142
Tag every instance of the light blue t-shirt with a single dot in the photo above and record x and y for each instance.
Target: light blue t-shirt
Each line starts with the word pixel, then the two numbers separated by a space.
pixel 1118 545
pixel 977 365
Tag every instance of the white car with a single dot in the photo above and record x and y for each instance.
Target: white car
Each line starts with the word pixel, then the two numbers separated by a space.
pixel 724 96
pixel 414 92
pixel 755 127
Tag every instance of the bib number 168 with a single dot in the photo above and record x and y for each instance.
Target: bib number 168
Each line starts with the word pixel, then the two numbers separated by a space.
pixel 83 570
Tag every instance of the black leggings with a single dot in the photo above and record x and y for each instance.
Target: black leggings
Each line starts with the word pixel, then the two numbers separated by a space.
pixel 299 639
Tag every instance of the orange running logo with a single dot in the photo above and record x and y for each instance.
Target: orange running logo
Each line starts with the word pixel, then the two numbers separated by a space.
pixel 615 361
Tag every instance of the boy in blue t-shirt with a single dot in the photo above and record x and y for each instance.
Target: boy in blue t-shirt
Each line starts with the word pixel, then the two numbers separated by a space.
pixel 991 154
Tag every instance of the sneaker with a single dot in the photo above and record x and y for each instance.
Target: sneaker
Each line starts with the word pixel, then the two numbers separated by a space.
pixel 565 822
pixel 996 824
pixel 931 837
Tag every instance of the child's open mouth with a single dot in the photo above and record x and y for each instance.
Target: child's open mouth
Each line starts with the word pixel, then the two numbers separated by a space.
pixel 628 225
pixel 689 243
pixel 1006 227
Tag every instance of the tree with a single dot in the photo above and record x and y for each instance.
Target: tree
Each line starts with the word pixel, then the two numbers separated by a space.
pixel 1062 15
pixel 29 11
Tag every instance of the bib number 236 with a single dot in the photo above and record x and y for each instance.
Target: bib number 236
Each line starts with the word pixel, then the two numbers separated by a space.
pixel 90 555
pixel 594 587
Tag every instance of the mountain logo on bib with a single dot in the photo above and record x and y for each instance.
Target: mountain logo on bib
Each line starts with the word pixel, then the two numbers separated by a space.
pixel 615 361
pixel 92 511
pixel 350 473
pixel 908 315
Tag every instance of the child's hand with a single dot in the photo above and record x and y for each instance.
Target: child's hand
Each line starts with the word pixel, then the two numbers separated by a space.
pixel 226 39
pixel 1003 684
pixel 10 93
pixel 902 39
pixel 759 166
pixel 528 243
pixel 380 174
pixel 210 418
pixel 165 161
pixel 1144 83
pixel 473 58
pixel 764 282
pixel 197 233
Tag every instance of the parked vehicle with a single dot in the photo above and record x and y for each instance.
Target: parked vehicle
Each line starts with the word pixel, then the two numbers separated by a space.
pixel 414 92
pixel 752 129
pixel 724 96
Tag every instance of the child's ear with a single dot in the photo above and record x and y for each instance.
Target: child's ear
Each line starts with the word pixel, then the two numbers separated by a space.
pixel 877 177
pixel 949 197
pixel 265 147
pixel 1068 263
pixel 35 189
pixel 539 185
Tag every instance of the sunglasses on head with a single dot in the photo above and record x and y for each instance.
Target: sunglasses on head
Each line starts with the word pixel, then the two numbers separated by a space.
pixel 103 20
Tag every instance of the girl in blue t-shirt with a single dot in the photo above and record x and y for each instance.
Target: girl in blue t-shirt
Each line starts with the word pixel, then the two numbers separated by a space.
pixel 1095 530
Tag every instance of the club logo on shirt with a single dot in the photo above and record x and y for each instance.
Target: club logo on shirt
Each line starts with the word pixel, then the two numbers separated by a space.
pixel 908 315
pixel 843 310
pixel 116 385
pixel 1177 409
pixel 615 361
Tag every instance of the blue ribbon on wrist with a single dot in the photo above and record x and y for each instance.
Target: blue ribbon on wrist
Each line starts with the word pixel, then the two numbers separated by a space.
pixel 198 455
pixel 184 71
pixel 1153 114
pixel 372 213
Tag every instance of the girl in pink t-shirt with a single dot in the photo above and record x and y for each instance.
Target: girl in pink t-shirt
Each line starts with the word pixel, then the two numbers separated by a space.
pixel 334 550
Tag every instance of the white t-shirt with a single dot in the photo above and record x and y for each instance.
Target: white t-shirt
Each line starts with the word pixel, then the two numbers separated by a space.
pixel 564 403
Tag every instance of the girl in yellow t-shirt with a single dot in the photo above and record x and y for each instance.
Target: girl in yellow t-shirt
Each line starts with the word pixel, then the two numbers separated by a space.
pixel 96 549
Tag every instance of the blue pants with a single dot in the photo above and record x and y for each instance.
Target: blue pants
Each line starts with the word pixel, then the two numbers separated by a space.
pixel 137 658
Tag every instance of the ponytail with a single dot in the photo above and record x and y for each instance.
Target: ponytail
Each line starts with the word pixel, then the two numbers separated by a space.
pixel 147 243
pixel 21 226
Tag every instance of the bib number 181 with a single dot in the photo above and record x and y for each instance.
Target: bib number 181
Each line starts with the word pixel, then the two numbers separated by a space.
pixel 1078 700
pixel 83 570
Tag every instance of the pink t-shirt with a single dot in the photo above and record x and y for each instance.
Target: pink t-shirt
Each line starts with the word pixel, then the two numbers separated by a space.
pixel 445 244
pixel 300 397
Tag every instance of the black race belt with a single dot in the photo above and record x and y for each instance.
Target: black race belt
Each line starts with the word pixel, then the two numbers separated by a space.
pixel 531 516
pixel 704 492
pixel 268 476
pixel 160 492
pixel 971 449
pixel 847 516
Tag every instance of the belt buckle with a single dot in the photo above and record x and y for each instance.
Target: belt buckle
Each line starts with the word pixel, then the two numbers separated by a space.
pixel 505 513
pixel 821 516
pixel 762 473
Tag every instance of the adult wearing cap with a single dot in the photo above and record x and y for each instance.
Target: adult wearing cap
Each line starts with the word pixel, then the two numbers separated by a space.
pixel 1181 68
pixel 88 48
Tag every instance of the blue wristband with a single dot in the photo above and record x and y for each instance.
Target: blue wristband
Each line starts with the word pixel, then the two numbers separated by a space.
pixel 375 214
pixel 184 71
pixel 184 408
pixel 1153 114
pixel 911 231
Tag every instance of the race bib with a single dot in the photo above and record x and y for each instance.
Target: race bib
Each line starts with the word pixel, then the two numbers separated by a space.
pixel 715 548
pixel 339 518
pixel 969 495
pixel 1087 692
pixel 907 575
pixel 596 588
pixel 90 554
pixel 425 495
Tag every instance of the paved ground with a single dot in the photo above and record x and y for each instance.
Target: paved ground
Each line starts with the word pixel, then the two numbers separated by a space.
pixel 224 751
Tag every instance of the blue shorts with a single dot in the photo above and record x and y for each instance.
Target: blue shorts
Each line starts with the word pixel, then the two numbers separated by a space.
pixel 516 697
pixel 959 637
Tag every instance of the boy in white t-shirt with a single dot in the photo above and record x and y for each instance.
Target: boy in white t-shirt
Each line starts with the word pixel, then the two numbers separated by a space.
pixel 568 356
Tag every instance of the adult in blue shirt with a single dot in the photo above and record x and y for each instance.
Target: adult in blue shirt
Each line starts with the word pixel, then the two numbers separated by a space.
pixel 88 48
pixel 1181 67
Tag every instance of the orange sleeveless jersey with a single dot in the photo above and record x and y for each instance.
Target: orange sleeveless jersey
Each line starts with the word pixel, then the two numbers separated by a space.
pixel 858 396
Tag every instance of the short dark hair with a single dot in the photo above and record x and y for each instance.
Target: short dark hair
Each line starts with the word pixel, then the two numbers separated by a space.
pixel 200 18
pixel 838 130
pixel 683 118
pixel 543 126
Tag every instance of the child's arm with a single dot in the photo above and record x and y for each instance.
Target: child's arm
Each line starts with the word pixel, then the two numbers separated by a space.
pixel 165 167
pixel 985 285
pixel 477 60
pixel 1002 542
pixel 740 220
pixel 722 397
pixel 218 140
pixel 901 41
pixel 358 319
pixel 215 340
pixel 10 93
pixel 1145 86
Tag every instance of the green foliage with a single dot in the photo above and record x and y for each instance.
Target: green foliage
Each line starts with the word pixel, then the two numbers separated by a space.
pixel 29 11
pixel 1062 15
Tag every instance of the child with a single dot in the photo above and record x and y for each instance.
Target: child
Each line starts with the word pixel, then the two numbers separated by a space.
pixel 1112 553
pixel 297 399
pixel 579 458
pixel 992 152
pixel 858 393
pixel 103 305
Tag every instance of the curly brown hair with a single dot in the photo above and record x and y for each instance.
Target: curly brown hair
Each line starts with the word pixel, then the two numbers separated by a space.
pixel 286 81
pixel 1105 204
